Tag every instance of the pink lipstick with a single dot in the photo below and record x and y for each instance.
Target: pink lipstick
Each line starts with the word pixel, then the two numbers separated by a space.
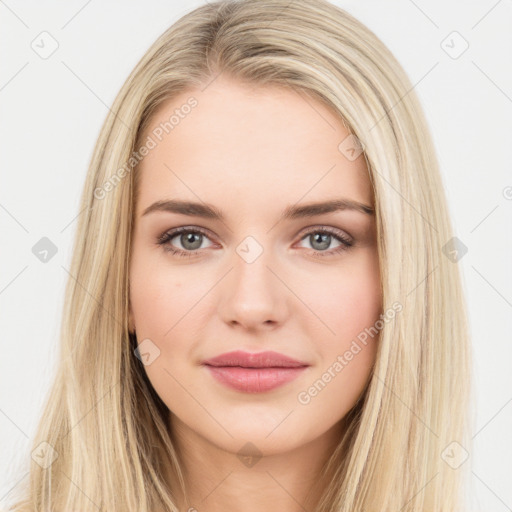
pixel 254 373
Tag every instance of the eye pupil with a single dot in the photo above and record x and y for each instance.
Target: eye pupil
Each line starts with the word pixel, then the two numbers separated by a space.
pixel 324 240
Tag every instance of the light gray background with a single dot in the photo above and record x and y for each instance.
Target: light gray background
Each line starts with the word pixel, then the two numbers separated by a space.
pixel 52 110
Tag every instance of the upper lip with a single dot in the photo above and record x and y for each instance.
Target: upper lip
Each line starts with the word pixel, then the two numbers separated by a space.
pixel 268 359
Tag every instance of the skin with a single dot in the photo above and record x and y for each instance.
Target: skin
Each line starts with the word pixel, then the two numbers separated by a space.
pixel 252 152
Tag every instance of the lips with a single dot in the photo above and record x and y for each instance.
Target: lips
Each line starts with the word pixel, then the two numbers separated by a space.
pixel 254 373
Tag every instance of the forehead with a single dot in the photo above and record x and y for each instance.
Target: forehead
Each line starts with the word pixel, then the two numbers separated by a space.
pixel 266 145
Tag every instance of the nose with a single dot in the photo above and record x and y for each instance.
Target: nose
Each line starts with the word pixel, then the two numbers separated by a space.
pixel 253 295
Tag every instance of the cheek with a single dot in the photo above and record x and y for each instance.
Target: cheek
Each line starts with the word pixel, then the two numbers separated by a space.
pixel 169 309
pixel 346 300
pixel 166 311
pixel 346 338
pixel 160 296
pixel 347 349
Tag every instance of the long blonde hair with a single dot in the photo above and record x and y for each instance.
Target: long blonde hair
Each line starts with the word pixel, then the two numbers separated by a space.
pixel 104 435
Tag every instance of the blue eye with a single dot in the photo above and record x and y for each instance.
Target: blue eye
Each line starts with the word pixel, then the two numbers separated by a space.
pixel 191 240
pixel 188 238
pixel 324 237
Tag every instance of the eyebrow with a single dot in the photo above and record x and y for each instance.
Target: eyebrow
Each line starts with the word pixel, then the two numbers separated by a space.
pixel 209 211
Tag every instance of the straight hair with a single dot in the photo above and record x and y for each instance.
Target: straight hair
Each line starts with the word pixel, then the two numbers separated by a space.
pixel 103 419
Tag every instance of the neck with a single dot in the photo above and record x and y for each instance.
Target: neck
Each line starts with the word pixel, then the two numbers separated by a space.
pixel 217 479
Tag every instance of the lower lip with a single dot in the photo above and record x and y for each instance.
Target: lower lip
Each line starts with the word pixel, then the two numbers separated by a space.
pixel 254 380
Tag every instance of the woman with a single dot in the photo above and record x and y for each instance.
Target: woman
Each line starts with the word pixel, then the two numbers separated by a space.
pixel 262 312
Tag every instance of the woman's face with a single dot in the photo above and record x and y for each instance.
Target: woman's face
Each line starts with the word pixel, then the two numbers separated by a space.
pixel 256 267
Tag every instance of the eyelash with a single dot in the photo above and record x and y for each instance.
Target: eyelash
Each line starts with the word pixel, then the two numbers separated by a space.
pixel 167 236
